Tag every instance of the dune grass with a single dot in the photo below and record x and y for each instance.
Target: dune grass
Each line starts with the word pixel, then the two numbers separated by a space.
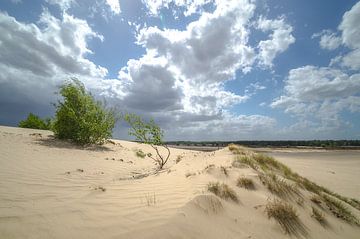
pixel 339 209
pixel 319 216
pixel 286 216
pixel 280 187
pixel 223 191
pixel 246 183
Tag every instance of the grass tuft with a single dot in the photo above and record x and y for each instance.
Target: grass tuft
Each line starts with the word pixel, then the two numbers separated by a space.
pixel 279 186
pixel 246 183
pixel 139 153
pixel 319 216
pixel 223 191
pixel 286 216
pixel 339 209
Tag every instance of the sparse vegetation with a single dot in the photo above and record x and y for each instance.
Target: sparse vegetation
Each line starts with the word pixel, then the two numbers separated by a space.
pixel 319 216
pixel 178 159
pixel 279 186
pixel 235 149
pixel 339 209
pixel 247 160
pixel 286 216
pixel 139 153
pixel 80 118
pixel 316 199
pixel 35 122
pixel 246 183
pixel 224 171
pixel 148 133
pixel 223 191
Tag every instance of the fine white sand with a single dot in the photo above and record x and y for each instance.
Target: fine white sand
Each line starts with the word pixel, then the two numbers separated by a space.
pixel 52 189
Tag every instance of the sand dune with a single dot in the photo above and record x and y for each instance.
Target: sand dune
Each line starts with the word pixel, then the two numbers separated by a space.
pixel 52 189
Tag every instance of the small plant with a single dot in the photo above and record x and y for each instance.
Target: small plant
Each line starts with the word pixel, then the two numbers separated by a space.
pixel 319 216
pixel 223 191
pixel 35 122
pixel 235 149
pixel 244 159
pixel 80 118
pixel 246 183
pixel 316 199
pixel 224 171
pixel 286 216
pixel 266 162
pixel 279 186
pixel 339 209
pixel 148 133
pixel 178 159
pixel 139 153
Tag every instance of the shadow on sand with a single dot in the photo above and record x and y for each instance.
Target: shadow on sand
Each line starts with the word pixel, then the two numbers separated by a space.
pixel 52 142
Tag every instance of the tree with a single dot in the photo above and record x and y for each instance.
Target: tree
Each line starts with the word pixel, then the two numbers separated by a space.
pixel 35 122
pixel 148 133
pixel 80 117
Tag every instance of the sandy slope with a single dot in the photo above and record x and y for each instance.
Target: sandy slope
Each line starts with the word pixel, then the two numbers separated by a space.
pixel 51 189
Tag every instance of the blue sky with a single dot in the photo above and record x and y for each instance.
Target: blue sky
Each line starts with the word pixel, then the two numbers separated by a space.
pixel 203 69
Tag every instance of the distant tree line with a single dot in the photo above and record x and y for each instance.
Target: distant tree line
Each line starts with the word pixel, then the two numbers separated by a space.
pixel 273 143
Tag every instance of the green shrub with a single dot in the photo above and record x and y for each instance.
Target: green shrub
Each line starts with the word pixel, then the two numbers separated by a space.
pixel 148 133
pixel 80 118
pixel 35 122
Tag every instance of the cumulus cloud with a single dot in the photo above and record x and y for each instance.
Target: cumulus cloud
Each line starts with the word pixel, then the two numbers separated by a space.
pixel 114 5
pixel 34 59
pixel 349 37
pixel 328 39
pixel 195 62
pixel 280 39
pixel 321 93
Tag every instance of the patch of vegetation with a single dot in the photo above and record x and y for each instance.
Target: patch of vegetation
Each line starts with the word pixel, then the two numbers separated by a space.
pixel 247 160
pixel 223 191
pixel 246 183
pixel 235 149
pixel 148 133
pixel 286 216
pixel 35 122
pixel 339 209
pixel 316 199
pixel 279 186
pixel 178 158
pixel 80 118
pixel 319 216
pixel 224 171
pixel 139 153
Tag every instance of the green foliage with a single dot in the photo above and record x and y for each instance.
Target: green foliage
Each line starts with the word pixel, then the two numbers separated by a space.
pixel 80 118
pixel 35 122
pixel 139 153
pixel 148 133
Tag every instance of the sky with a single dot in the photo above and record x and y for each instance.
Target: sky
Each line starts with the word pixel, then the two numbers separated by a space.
pixel 202 69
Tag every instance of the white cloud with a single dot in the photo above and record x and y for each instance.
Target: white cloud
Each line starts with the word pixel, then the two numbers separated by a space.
pixel 36 58
pixel 328 39
pixel 320 93
pixel 198 60
pixel 280 39
pixel 114 5
pixel 350 38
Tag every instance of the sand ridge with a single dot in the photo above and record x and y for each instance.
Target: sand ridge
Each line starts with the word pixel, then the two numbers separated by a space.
pixel 52 189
